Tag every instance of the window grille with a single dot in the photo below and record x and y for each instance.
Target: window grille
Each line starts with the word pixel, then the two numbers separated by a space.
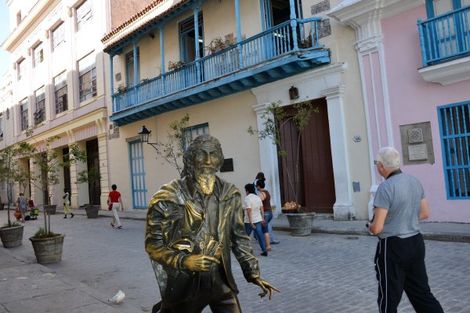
pixel 60 93
pixel 87 78
pixel 38 55
pixel 40 113
pixel 24 114
pixel 190 133
pixel 454 123
pixel 84 14
pixel 58 36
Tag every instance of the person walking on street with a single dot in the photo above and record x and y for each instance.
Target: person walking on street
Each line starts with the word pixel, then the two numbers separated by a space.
pixel 115 202
pixel 67 208
pixel 254 217
pixel 399 204
pixel 267 211
pixel 22 206
pixel 261 178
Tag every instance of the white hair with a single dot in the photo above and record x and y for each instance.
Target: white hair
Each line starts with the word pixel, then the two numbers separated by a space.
pixel 389 157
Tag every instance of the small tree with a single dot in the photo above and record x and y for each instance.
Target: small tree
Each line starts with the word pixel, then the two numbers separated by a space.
pixel 173 149
pixel 274 119
pixel 48 163
pixel 11 173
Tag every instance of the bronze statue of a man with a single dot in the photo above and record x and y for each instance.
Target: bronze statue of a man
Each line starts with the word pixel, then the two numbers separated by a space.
pixel 192 224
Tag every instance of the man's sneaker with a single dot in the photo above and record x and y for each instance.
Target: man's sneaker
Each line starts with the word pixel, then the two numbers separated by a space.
pixel 265 253
pixel 275 242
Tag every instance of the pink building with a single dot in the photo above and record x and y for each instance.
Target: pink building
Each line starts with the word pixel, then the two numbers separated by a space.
pixel 414 58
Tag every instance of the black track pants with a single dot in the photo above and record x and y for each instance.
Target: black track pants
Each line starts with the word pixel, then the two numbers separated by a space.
pixel 399 264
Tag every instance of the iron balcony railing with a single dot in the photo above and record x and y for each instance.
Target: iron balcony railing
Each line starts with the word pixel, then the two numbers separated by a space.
pixel 445 37
pixel 290 36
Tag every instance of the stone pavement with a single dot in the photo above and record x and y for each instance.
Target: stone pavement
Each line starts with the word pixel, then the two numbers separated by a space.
pixel 444 231
pixel 322 273
pixel 25 286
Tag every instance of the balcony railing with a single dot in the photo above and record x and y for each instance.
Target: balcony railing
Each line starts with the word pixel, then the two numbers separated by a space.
pixel 288 37
pixel 445 37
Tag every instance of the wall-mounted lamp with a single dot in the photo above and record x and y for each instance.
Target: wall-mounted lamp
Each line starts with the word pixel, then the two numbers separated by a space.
pixel 293 93
pixel 144 135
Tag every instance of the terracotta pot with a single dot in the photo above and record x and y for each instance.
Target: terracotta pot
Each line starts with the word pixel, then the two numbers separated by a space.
pixel 12 236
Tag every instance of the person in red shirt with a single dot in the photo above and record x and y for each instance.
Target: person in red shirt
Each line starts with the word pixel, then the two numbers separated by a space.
pixel 115 203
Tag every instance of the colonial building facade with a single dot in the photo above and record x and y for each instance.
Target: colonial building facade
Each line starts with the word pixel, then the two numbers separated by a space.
pixel 414 59
pixel 223 63
pixel 58 89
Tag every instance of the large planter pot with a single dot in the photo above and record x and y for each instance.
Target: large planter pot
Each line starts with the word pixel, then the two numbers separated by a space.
pixel 48 250
pixel 92 210
pixel 300 223
pixel 50 209
pixel 12 236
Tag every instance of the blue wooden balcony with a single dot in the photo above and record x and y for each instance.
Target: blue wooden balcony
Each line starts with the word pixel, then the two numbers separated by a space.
pixel 284 50
pixel 445 37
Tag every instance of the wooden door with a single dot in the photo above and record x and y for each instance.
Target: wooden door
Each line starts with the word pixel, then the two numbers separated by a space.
pixel 93 165
pixel 311 154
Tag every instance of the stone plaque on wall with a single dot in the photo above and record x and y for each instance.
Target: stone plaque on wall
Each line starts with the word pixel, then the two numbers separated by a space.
pixel 322 6
pixel 416 143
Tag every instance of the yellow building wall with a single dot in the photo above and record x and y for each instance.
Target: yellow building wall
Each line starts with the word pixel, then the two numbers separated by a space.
pixel 228 119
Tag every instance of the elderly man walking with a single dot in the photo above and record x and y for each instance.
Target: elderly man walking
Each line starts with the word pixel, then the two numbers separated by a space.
pixel 399 204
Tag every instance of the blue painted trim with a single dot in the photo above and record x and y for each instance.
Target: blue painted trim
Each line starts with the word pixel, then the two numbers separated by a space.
pixel 111 80
pixel 137 173
pixel 429 8
pixel 196 11
pixel 448 136
pixel 150 27
pixel 189 96
pixel 136 64
pixel 293 23
pixel 162 50
pixel 237 21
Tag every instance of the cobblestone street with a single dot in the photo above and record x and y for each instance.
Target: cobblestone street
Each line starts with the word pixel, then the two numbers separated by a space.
pixel 321 273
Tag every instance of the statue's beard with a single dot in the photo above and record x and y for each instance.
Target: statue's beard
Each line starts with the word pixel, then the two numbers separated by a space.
pixel 206 183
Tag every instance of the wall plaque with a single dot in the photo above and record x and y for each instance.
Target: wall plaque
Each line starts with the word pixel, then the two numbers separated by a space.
pixel 416 143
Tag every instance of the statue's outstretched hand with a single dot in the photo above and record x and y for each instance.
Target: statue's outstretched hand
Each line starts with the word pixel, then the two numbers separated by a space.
pixel 266 287
pixel 199 262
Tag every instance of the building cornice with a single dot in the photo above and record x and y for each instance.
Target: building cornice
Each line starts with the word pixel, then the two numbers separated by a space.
pixel 365 15
pixel 15 37
pixel 447 73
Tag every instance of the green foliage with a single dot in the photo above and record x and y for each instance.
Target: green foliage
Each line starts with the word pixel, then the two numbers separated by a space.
pixel 11 172
pixel 42 233
pixel 274 118
pixel 12 224
pixel 173 149
pixel 89 176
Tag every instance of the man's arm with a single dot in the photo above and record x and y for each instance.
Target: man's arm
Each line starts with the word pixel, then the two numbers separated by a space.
pixel 424 209
pixel 377 225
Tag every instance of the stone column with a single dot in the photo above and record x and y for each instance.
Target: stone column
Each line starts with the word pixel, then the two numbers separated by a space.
pixel 343 208
pixel 103 159
pixel 269 161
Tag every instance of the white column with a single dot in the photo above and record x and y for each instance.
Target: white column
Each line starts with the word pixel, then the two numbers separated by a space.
pixel 343 208
pixel 103 159
pixel 269 162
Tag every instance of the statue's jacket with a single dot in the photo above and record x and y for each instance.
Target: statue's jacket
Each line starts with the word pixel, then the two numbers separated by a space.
pixel 173 231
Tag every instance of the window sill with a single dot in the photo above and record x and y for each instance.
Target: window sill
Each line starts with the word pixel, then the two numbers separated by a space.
pixel 447 73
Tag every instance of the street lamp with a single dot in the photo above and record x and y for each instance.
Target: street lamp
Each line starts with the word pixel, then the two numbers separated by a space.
pixel 144 135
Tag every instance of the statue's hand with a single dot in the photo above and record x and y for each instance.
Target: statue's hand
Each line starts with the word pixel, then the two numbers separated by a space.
pixel 265 286
pixel 199 262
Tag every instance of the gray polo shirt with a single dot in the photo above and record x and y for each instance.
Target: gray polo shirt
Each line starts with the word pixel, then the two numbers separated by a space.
pixel 401 195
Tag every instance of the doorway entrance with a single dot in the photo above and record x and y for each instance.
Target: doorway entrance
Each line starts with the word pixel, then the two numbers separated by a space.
pixel 306 164
pixel 93 167
pixel 276 12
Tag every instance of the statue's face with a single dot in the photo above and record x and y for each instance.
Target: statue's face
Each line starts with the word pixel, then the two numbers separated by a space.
pixel 208 159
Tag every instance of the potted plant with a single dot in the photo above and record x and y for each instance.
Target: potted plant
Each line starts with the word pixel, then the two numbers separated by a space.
pixel 274 118
pixel 90 176
pixel 173 66
pixel 11 233
pixel 46 244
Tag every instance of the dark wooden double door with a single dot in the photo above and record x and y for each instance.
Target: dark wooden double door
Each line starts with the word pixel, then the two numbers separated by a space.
pixel 306 164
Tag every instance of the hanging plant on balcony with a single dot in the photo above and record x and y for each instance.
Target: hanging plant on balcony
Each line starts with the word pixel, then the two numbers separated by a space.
pixel 173 66
pixel 218 44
